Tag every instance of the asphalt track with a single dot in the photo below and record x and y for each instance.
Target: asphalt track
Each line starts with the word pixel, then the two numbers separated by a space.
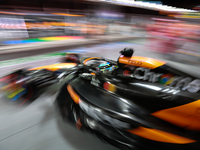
pixel 36 127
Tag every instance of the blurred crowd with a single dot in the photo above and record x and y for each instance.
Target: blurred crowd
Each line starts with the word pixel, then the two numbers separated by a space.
pixel 174 29
pixel 176 39
pixel 34 26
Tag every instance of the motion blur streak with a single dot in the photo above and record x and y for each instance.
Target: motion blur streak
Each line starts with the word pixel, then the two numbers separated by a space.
pixel 56 66
pixel 161 136
pixel 30 94
pixel 63 14
pixel 5 78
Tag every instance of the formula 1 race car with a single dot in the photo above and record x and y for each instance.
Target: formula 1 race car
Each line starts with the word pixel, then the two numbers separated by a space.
pixel 134 103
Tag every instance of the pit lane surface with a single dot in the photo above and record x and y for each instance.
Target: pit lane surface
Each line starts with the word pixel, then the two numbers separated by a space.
pixel 36 127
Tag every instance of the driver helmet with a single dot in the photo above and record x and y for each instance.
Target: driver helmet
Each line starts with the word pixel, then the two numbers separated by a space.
pixel 106 68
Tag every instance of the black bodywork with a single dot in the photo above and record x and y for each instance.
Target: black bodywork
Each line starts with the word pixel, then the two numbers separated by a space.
pixel 112 114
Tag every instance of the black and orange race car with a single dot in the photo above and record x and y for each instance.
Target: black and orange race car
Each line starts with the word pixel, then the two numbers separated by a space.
pixel 133 103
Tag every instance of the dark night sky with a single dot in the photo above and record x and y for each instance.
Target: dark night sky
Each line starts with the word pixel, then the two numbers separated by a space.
pixel 39 5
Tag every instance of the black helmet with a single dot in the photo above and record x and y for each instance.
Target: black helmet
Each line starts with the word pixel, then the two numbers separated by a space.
pixel 128 52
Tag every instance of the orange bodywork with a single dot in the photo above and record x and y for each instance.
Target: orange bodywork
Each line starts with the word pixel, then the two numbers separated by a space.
pixel 186 116
pixel 141 62
pixel 73 94
pixel 91 58
pixel 160 136
pixel 55 67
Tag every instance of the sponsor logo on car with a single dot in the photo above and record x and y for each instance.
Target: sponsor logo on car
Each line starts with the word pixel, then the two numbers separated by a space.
pixel 146 75
pixel 166 79
pixel 183 83
pixel 134 62
pixel 98 115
